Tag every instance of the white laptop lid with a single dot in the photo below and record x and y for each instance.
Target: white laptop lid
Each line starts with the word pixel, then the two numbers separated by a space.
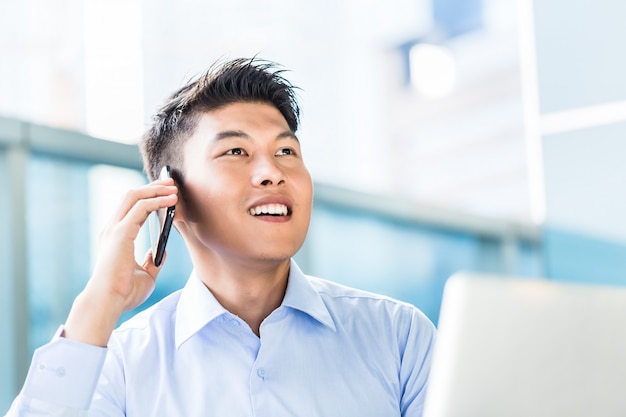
pixel 511 347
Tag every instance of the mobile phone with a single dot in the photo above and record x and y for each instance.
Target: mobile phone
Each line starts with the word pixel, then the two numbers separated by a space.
pixel 160 225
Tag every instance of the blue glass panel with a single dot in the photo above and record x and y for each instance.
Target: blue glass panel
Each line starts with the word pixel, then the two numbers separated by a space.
pixel 58 241
pixel 456 17
pixel 576 257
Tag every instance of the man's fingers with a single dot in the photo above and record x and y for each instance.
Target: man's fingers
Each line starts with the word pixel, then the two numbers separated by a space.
pixel 152 190
pixel 136 216
pixel 139 212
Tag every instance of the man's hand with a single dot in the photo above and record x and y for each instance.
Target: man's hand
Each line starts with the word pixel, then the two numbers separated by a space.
pixel 118 282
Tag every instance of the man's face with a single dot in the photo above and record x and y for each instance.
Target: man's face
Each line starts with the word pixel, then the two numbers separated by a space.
pixel 247 193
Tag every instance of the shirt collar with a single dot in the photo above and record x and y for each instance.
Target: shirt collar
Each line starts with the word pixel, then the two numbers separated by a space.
pixel 301 295
pixel 197 306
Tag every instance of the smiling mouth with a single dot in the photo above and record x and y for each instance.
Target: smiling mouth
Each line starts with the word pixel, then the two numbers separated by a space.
pixel 269 210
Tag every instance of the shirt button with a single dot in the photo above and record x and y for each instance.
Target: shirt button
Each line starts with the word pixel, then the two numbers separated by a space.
pixel 60 371
pixel 261 373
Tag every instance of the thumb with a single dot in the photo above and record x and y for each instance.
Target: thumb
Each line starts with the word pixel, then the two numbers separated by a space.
pixel 149 266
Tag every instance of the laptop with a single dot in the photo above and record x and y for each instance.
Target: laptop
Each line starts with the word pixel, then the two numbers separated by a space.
pixel 510 347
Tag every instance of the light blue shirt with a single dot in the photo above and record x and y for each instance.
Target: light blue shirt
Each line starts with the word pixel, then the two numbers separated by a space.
pixel 327 351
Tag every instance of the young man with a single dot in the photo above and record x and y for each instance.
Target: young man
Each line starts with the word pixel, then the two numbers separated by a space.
pixel 250 334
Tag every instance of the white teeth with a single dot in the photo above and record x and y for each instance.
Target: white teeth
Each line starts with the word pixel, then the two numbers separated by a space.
pixel 275 209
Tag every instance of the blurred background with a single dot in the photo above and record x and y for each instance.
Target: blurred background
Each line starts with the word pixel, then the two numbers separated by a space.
pixel 442 135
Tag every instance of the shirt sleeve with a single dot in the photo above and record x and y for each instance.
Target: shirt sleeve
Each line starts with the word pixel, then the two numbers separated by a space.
pixel 415 365
pixel 61 380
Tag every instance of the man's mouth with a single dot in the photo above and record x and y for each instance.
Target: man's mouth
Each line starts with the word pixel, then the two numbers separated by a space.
pixel 269 210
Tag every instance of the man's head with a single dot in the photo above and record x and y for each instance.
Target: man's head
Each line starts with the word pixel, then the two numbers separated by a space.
pixel 245 194
pixel 240 80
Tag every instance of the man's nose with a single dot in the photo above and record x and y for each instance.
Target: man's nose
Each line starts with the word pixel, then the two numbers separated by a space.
pixel 267 172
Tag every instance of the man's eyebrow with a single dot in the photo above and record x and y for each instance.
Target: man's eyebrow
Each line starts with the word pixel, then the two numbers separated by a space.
pixel 288 134
pixel 231 134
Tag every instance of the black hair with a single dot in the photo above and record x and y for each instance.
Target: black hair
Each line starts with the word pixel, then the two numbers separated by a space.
pixel 234 81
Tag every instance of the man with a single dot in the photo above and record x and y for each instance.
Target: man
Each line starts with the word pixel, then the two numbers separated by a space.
pixel 250 334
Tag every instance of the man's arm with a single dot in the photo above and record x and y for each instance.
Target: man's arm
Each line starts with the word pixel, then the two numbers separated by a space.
pixel 415 366
pixel 61 379
pixel 64 373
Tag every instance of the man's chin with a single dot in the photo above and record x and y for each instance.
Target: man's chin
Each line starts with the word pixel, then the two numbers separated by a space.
pixel 275 258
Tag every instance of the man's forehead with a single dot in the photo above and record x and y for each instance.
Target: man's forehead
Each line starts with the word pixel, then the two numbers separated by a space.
pixel 244 120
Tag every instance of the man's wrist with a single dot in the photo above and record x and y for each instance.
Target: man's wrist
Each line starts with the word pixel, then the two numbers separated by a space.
pixel 91 320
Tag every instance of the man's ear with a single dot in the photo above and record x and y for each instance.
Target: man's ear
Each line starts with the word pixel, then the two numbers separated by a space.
pixel 180 217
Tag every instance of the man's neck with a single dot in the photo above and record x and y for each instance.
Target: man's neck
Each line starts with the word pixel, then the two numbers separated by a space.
pixel 249 290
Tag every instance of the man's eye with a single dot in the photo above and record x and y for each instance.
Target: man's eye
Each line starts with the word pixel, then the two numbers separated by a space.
pixel 235 151
pixel 286 151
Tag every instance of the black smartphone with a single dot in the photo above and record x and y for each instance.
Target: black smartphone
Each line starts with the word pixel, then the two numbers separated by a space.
pixel 160 224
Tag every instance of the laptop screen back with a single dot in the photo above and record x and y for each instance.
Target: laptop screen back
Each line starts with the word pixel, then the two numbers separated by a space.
pixel 512 347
